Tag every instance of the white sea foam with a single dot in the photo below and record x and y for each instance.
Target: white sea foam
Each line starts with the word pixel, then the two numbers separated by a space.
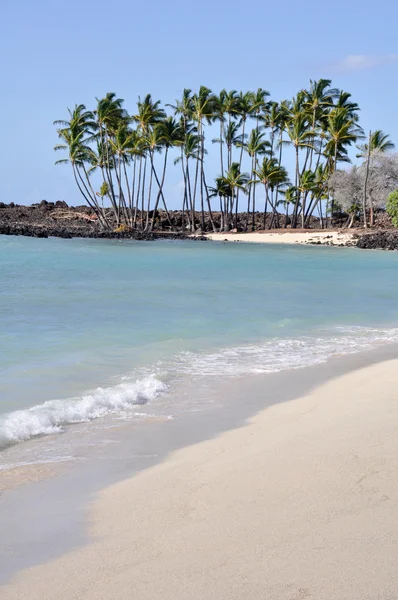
pixel 53 415
pixel 280 354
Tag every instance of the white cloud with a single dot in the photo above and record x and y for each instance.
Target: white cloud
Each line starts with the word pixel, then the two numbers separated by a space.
pixel 360 62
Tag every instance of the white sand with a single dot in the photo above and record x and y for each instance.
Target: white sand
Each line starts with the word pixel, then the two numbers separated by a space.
pixel 286 237
pixel 300 503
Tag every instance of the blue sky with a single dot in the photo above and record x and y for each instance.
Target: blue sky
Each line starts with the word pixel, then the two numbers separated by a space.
pixel 56 53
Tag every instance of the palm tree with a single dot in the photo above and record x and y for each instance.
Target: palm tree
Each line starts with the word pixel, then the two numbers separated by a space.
pixel 270 174
pixel 232 137
pixel 318 101
pixel 300 136
pixel 256 145
pixel 169 134
pixel 378 141
pixel 231 104
pixel 319 192
pixel 190 149
pixel 202 111
pixel 109 114
pixel 121 143
pixel 272 119
pixel 219 112
pixel 76 135
pixel 343 131
pixel 232 181
pixel 183 108
pixel 352 108
pixel 291 196
pixel 148 115
pixel 223 190
pixel 306 186
pixel 259 104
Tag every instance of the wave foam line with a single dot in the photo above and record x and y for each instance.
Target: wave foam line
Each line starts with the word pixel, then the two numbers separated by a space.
pixel 53 415
pixel 281 354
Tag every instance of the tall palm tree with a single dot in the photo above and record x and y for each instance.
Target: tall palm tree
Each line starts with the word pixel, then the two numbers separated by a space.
pixel 76 135
pixel 232 137
pixel 190 149
pixel 271 119
pixel 202 112
pixel 318 101
pixel 256 145
pixel 170 134
pixel 378 142
pixel 121 143
pixel 301 136
pixel 109 114
pixel 219 112
pixel 343 131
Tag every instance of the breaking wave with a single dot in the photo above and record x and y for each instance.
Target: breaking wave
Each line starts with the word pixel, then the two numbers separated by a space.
pixel 53 415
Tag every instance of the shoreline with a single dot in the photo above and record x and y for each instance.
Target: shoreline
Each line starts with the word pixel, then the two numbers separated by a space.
pixel 341 238
pixel 179 437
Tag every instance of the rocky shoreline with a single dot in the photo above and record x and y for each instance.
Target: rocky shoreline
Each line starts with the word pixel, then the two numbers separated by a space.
pixel 82 232
pixel 59 220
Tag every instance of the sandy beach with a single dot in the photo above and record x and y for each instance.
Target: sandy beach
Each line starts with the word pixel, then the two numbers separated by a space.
pixel 299 503
pixel 331 238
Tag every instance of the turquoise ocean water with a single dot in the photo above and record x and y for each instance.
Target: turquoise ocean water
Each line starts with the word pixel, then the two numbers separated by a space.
pixel 93 330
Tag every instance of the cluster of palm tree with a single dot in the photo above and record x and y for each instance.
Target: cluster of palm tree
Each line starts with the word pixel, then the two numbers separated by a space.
pixel 116 164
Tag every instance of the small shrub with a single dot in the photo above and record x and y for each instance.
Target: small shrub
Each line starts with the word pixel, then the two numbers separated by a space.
pixel 122 229
pixel 392 207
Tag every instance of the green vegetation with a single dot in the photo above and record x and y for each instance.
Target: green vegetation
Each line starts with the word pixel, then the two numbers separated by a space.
pixel 117 165
pixel 392 207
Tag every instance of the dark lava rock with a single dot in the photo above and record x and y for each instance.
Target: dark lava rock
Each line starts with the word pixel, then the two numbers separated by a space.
pixel 61 204
pixel 380 240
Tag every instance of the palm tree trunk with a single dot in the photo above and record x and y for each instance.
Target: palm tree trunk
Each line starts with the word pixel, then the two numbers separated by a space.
pixel 254 203
pixel 209 203
pixel 221 147
pixel 138 193
pixel 133 191
pixel 85 195
pixel 332 198
pixel 93 197
pixel 248 207
pixel 149 199
pixel 143 193
pixel 296 206
pixel 365 189
pixel 160 192
pixel 108 171
pixel 265 206
pixel 280 164
pixel 191 201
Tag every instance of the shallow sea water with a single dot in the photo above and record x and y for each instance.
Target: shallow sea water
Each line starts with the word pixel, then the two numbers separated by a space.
pixel 95 334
